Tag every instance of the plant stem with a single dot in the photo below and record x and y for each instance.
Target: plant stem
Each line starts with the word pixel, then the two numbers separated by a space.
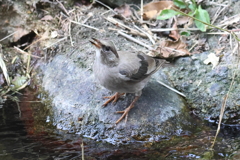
pixel 225 30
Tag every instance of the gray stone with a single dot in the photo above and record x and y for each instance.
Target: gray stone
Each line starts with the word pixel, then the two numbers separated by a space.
pixel 75 94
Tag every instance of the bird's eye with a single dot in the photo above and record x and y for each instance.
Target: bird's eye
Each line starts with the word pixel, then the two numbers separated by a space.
pixel 106 48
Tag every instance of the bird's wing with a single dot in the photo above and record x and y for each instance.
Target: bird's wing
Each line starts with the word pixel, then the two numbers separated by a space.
pixel 136 67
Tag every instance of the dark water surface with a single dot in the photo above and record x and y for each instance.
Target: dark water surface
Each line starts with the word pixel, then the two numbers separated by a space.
pixel 26 133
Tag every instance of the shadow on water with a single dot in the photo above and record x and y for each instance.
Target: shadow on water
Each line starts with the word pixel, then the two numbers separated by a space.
pixel 28 134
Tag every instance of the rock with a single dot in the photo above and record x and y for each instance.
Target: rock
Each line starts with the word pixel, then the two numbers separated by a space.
pixel 77 105
pixel 205 88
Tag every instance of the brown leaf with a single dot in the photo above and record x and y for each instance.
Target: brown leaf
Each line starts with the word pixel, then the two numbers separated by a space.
pixel 174 34
pixel 124 10
pixel 153 9
pixel 183 20
pixel 170 49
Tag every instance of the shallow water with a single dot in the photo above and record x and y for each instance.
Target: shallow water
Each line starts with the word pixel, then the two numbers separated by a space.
pixel 27 133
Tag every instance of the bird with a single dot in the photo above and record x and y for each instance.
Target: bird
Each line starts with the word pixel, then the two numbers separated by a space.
pixel 122 71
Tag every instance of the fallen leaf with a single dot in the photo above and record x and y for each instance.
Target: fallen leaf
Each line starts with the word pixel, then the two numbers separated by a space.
pixel 153 9
pixel 170 49
pixel 212 58
pixel 124 10
pixel 230 20
pixel 174 33
pixel 219 50
pixel 181 20
pixel 47 18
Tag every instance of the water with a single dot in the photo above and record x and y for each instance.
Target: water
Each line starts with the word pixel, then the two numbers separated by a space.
pixel 26 134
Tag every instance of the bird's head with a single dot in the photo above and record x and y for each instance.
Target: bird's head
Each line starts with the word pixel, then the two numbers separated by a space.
pixel 106 52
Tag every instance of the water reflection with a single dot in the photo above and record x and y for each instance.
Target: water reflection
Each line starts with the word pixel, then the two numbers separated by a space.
pixel 28 134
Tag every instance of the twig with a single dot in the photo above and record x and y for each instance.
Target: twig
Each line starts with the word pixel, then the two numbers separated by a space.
pixel 62 6
pixel 225 101
pixel 19 110
pixel 175 50
pixel 3 66
pixel 131 31
pixel 141 11
pixel 70 35
pixel 149 36
pixel 193 46
pixel 172 89
pixel 172 29
pixel 221 116
pixel 105 6
pixel 82 146
pixel 134 40
pixel 24 52
pixel 8 36
pixel 230 20
pixel 235 36
pixel 56 42
pixel 89 16
pixel 84 25
pixel 224 5
pixel 218 13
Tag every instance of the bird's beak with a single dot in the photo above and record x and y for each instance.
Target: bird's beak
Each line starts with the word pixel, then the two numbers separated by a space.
pixel 96 43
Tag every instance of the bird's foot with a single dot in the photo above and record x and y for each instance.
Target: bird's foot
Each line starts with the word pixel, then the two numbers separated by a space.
pixel 125 112
pixel 112 98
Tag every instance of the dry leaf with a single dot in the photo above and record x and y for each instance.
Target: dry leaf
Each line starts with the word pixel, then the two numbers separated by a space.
pixel 219 50
pixel 174 34
pixel 231 20
pixel 212 58
pixel 153 9
pixel 124 10
pixel 170 49
pixel 182 20
pixel 47 18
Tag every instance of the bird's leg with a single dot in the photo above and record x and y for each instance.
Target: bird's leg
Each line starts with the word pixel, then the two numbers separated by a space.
pixel 112 98
pixel 125 112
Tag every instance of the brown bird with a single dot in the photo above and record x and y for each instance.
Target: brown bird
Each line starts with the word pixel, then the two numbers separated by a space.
pixel 122 72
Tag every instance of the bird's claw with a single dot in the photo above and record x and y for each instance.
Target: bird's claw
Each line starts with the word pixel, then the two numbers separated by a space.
pixel 113 99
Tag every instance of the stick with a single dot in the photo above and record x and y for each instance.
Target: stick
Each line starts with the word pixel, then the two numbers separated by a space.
pixel 172 29
pixel 8 36
pixel 172 89
pixel 70 35
pixel 132 31
pixel 149 36
pixel 23 52
pixel 106 6
pixel 134 40
pixel 55 42
pixel 141 11
pixel 84 25
pixel 62 6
